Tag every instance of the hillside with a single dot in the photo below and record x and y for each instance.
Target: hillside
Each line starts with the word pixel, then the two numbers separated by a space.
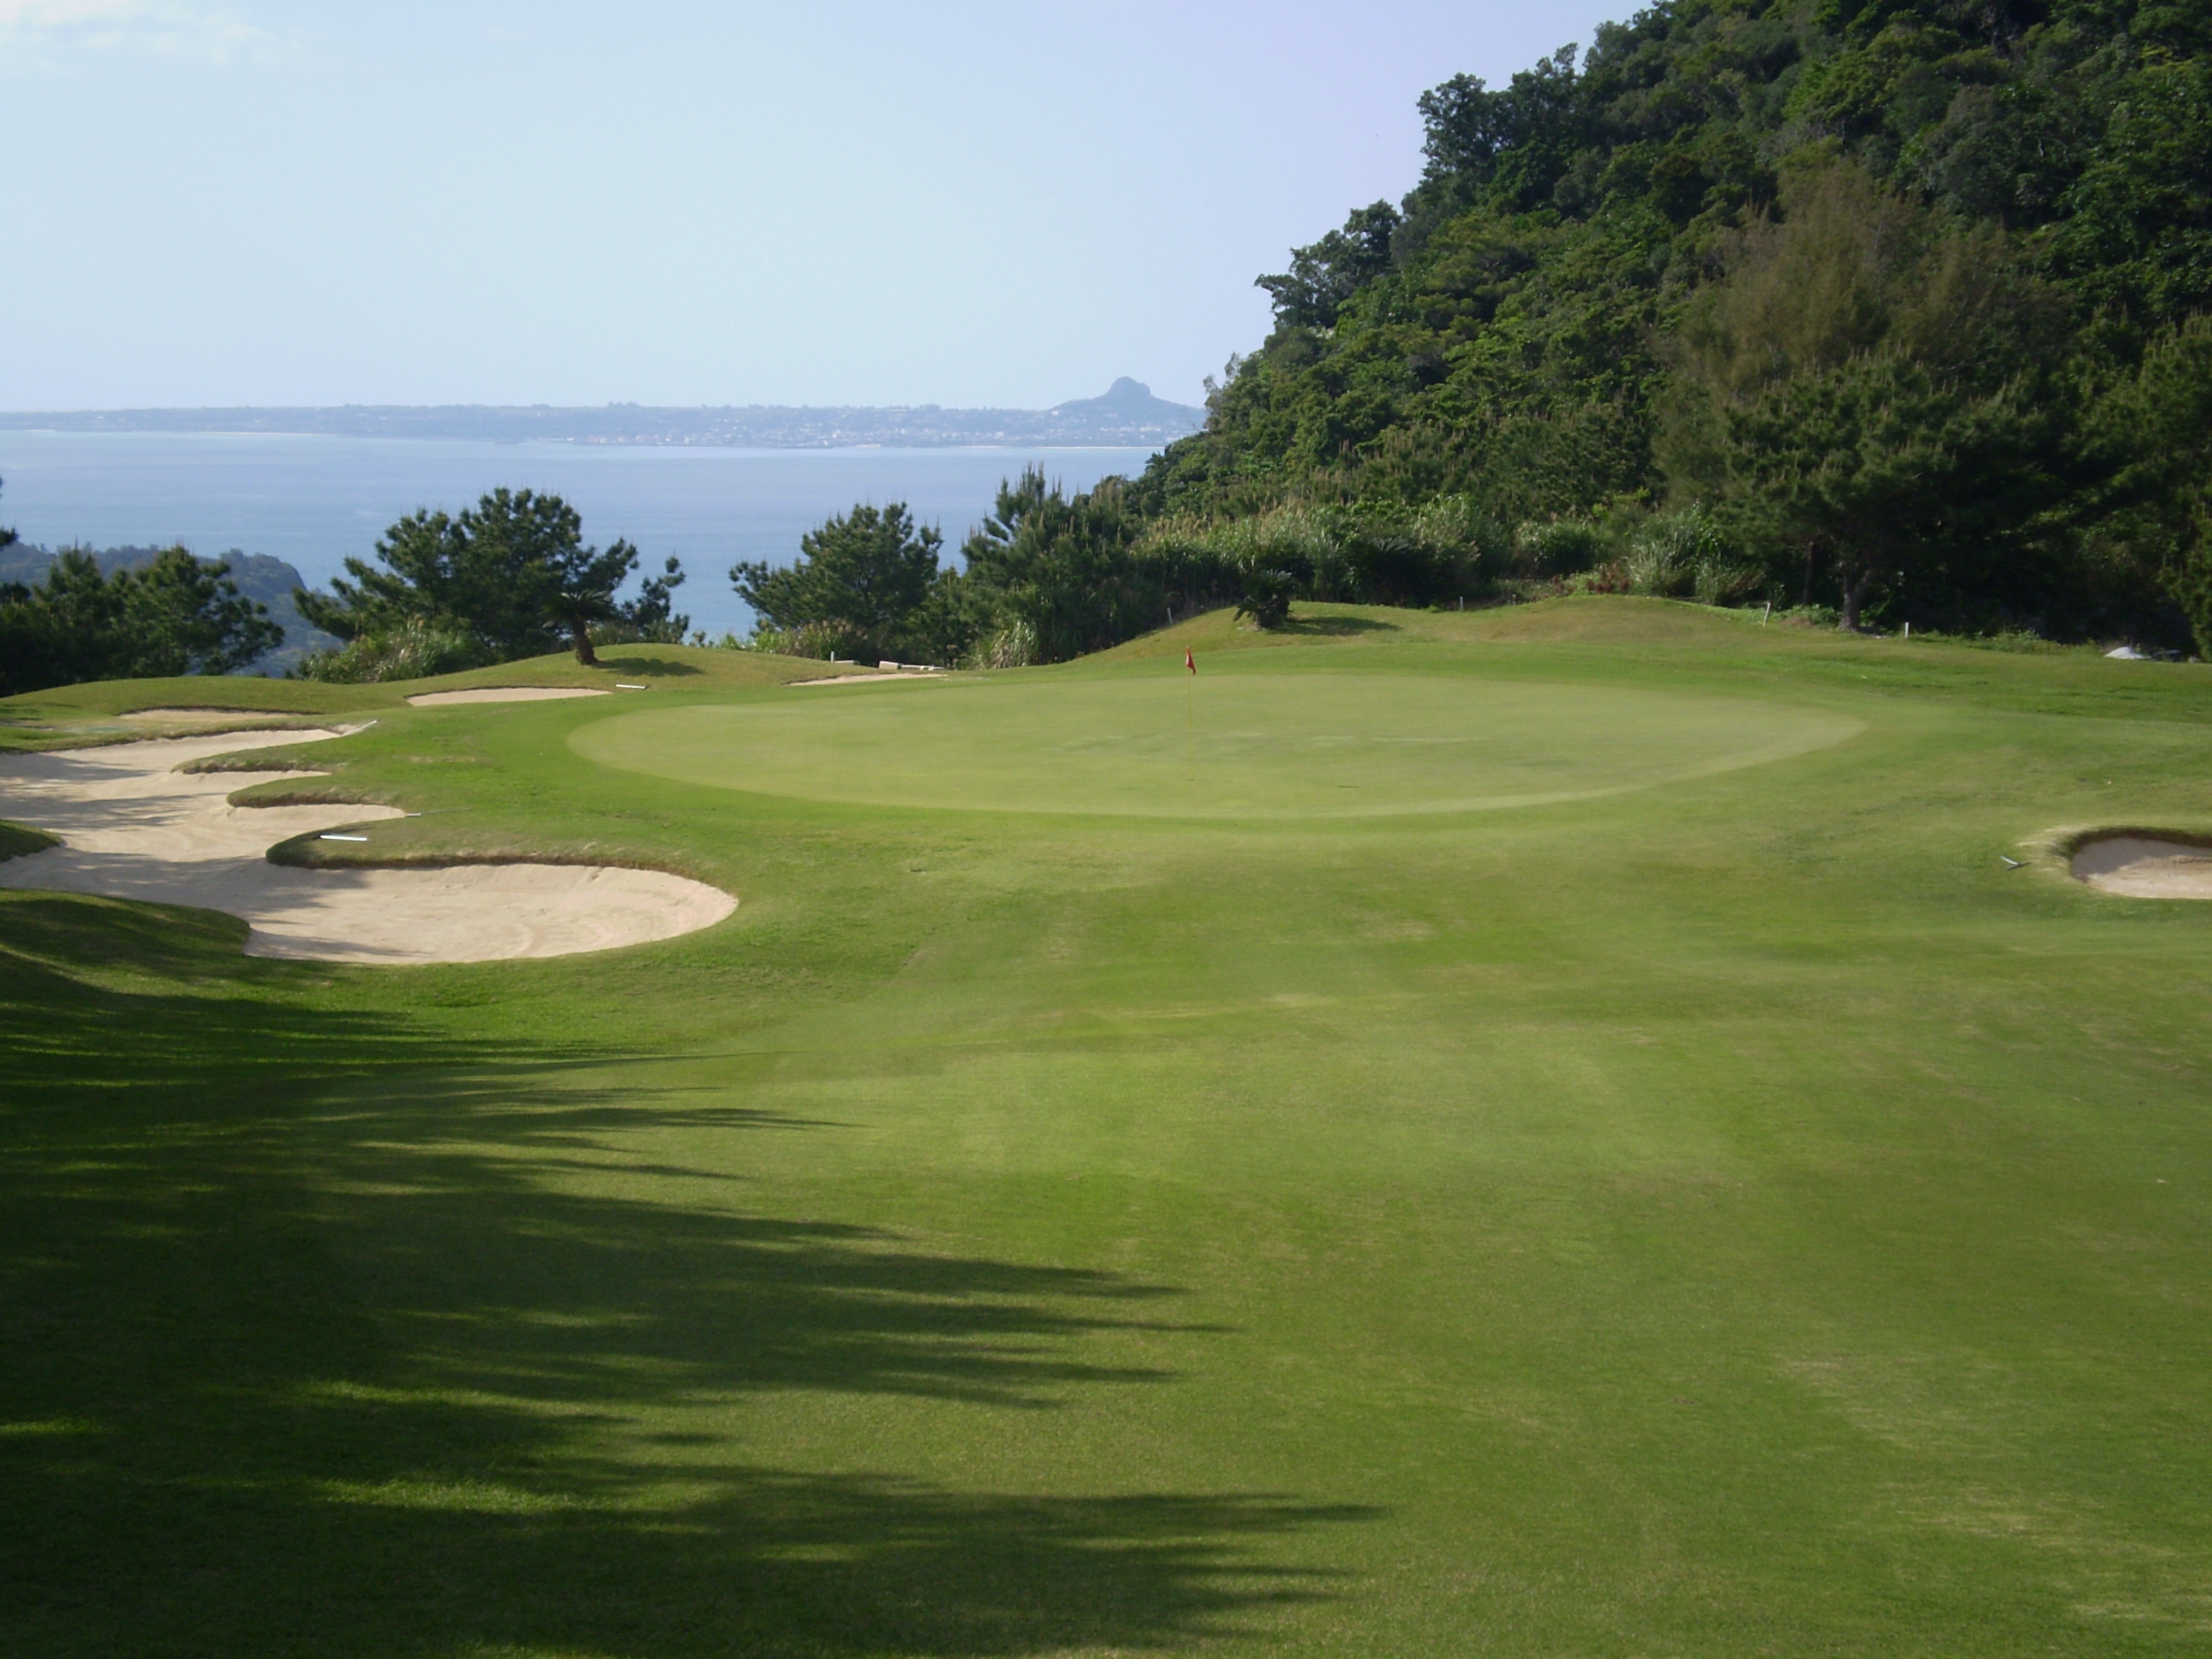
pixel 1960 245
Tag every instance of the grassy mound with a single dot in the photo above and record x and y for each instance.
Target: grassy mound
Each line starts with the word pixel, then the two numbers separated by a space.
pixel 18 839
pixel 1733 1214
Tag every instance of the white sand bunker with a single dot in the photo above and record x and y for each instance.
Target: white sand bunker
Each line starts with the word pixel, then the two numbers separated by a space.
pixel 504 694
pixel 201 716
pixel 2142 866
pixel 132 827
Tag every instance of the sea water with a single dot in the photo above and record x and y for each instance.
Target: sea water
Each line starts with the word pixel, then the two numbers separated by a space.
pixel 311 500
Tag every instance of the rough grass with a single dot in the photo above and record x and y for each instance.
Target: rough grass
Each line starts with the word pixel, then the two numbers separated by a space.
pixel 1735 1217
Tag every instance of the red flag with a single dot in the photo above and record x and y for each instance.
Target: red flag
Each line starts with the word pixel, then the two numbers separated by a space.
pixel 1190 662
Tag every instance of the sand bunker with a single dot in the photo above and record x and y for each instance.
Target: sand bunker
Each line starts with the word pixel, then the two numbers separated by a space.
pixel 504 694
pixel 2143 867
pixel 204 716
pixel 133 828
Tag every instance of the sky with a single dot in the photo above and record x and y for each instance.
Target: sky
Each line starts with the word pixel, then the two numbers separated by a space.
pixel 474 201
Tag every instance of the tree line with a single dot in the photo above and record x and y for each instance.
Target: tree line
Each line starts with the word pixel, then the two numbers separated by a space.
pixel 510 577
pixel 1048 575
pixel 177 614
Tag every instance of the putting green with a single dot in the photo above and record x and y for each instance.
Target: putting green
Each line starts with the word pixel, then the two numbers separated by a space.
pixel 1244 745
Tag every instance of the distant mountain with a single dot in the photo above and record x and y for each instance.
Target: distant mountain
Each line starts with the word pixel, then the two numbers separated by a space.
pixel 272 582
pixel 1127 417
pixel 1130 403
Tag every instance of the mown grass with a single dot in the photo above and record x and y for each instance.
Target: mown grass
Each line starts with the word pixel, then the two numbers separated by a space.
pixel 17 839
pixel 1739 1215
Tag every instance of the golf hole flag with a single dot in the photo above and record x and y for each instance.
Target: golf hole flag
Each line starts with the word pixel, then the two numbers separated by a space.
pixel 1190 662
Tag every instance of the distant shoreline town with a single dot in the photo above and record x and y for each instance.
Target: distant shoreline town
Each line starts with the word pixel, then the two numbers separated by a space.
pixel 1126 415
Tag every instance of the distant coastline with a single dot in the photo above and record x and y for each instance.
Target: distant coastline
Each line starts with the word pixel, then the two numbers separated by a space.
pixel 1126 415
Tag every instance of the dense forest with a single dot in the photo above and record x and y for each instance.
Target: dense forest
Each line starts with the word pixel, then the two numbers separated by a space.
pixel 1906 299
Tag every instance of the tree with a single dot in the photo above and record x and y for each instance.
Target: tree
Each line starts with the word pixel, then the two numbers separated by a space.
pixel 185 616
pixel 178 616
pixel 1323 277
pixel 1868 384
pixel 1064 567
pixel 2137 231
pixel 2156 429
pixel 62 631
pixel 860 585
pixel 583 585
pixel 652 617
pixel 653 614
pixel 511 573
pixel 1512 144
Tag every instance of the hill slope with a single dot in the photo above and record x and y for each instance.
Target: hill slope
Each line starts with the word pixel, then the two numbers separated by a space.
pixel 1535 324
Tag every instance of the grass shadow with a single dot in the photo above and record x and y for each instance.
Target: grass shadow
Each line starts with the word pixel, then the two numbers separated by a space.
pixel 1334 628
pixel 313 1344
pixel 665 668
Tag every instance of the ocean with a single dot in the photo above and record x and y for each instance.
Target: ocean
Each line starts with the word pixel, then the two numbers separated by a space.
pixel 313 501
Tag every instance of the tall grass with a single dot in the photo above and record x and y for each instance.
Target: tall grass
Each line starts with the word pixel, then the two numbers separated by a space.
pixel 413 651
pixel 1361 552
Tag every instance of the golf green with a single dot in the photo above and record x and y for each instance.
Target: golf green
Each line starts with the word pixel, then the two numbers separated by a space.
pixel 1166 743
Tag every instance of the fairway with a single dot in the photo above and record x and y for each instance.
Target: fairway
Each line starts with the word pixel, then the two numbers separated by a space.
pixel 1743 1197
pixel 1242 744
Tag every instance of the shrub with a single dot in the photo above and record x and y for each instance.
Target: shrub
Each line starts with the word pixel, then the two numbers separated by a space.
pixel 414 650
pixel 821 641
pixel 1560 547
pixel 1685 553
pixel 1379 552
pixel 1266 597
pixel 1014 644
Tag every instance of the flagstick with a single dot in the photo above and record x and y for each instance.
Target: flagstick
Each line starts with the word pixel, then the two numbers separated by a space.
pixel 1190 729
pixel 1190 720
